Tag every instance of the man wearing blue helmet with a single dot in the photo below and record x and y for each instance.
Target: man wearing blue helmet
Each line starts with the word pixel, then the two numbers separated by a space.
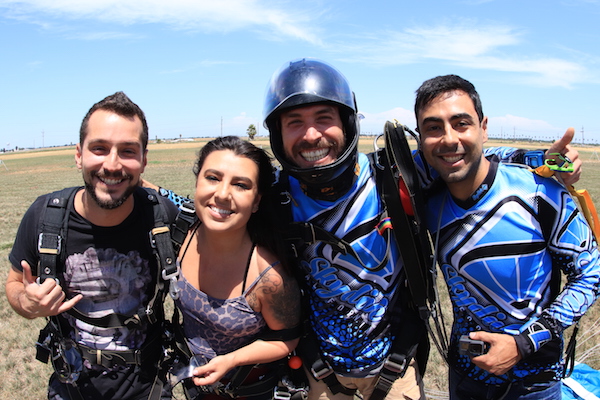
pixel 352 297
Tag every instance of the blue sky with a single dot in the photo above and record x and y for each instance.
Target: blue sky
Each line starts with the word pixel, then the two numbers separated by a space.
pixel 200 67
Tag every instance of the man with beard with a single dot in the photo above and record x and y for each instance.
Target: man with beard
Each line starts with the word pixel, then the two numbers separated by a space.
pixel 107 269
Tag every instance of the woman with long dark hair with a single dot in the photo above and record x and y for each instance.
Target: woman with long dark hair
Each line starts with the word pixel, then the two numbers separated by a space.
pixel 234 286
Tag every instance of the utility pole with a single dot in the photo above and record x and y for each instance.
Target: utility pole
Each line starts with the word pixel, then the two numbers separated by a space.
pixel 582 136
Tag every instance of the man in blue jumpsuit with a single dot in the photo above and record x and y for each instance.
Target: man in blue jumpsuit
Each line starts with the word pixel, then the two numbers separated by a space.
pixel 503 235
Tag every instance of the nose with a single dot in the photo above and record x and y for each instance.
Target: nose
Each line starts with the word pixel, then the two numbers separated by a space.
pixel 312 134
pixel 222 191
pixel 450 135
pixel 112 162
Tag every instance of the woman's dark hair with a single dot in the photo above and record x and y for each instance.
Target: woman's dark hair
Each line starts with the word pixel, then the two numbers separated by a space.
pixel 262 224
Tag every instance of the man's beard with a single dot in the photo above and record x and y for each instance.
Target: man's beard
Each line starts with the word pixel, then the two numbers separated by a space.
pixel 108 204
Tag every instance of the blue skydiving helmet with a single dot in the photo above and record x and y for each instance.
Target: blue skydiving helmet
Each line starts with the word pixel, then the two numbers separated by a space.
pixel 305 82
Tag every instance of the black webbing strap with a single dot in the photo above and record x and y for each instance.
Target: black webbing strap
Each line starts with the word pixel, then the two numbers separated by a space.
pixel 266 384
pixel 113 320
pixel 52 234
pixel 308 233
pixel 319 368
pixel 160 239
pixel 185 219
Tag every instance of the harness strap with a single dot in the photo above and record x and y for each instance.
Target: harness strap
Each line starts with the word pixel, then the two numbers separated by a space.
pixel 114 320
pixel 110 358
pixel 308 233
pixel 185 219
pixel 52 234
pixel 318 367
pixel 394 367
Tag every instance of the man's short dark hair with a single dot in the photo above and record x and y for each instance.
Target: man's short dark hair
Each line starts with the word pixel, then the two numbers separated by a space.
pixel 119 104
pixel 434 87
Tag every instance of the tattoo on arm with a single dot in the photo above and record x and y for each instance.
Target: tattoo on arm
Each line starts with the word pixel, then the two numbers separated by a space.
pixel 283 297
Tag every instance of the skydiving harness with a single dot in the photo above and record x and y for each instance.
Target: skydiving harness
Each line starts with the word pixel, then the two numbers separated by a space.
pixel 397 182
pixel 53 342
pixel 275 380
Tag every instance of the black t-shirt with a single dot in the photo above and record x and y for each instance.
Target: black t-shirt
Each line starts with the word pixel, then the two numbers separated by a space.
pixel 113 267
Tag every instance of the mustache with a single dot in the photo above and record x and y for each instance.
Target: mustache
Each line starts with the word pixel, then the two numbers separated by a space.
pixel 323 144
pixel 114 175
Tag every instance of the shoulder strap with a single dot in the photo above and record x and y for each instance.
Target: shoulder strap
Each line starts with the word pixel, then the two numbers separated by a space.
pixel 53 231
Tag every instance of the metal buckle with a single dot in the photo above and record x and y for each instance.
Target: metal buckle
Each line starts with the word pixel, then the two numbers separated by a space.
pixel 48 250
pixel 172 278
pixel 321 369
pixel 396 363
pixel 280 393
pixel 188 208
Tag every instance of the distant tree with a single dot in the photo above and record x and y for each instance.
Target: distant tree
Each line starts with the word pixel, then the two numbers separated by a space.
pixel 251 132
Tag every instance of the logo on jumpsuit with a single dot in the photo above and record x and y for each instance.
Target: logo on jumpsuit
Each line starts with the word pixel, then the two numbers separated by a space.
pixel 366 298
pixel 490 315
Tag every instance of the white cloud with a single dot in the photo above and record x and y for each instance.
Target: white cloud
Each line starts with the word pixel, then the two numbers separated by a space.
pixel 512 126
pixel 204 15
pixel 373 123
pixel 494 48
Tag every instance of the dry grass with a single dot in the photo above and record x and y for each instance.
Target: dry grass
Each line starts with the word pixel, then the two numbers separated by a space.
pixel 32 174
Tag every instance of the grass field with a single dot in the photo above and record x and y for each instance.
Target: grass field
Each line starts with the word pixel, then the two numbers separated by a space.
pixel 24 176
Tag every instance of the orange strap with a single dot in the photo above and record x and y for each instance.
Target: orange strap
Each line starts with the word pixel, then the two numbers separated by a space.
pixel 583 198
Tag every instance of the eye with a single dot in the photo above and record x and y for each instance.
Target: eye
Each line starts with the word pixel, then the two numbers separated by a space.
pixel 98 149
pixel 293 122
pixel 242 186
pixel 432 130
pixel 462 125
pixel 129 153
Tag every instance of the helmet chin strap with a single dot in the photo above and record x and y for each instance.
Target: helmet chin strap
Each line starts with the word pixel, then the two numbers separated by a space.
pixel 331 190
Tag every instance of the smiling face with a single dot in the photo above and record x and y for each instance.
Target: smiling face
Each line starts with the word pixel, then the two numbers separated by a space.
pixel 312 135
pixel 452 139
pixel 111 158
pixel 226 191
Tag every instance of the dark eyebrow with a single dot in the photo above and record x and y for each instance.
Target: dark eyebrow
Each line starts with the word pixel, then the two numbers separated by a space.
pixel 454 117
pixel 463 116
pixel 432 119
pixel 219 173
pixel 103 141
pixel 327 109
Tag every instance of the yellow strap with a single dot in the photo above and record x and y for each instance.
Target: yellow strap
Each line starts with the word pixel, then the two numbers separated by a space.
pixel 588 209
pixel 583 198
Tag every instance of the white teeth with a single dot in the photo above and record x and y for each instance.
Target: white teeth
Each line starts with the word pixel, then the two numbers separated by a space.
pixel 314 155
pixel 112 181
pixel 452 159
pixel 221 211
